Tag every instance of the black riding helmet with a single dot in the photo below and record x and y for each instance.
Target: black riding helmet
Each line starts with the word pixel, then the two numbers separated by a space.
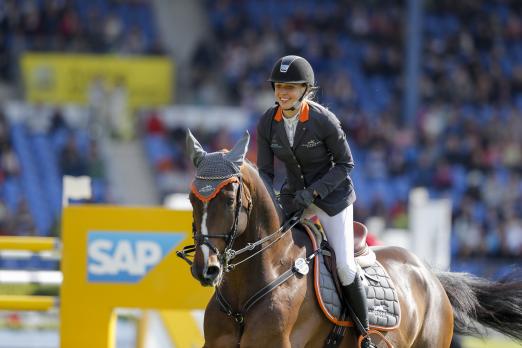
pixel 292 69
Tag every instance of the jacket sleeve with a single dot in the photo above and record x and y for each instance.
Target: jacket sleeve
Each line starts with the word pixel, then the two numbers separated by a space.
pixel 337 145
pixel 265 156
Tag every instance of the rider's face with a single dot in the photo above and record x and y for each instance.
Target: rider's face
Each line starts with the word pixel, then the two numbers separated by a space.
pixel 287 94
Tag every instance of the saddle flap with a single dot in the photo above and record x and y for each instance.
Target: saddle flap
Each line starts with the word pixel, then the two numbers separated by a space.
pixel 383 301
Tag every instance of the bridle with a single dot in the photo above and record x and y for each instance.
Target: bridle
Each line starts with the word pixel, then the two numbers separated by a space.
pixel 201 239
pixel 229 253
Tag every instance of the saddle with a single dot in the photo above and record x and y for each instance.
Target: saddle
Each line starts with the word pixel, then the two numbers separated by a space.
pixel 383 301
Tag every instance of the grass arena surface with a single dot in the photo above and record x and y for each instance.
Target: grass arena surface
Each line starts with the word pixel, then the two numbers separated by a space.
pixel 469 342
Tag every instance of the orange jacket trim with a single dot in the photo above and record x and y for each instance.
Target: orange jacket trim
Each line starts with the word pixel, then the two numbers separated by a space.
pixel 303 116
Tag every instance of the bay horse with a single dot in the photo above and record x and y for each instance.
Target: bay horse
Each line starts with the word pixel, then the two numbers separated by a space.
pixel 241 248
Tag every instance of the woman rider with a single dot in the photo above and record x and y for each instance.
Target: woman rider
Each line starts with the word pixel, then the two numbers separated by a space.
pixel 309 140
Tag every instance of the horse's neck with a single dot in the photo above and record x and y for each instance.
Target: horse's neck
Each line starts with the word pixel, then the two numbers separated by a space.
pixel 266 216
pixel 252 275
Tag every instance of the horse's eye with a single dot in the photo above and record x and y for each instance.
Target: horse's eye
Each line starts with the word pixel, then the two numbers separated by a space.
pixel 230 201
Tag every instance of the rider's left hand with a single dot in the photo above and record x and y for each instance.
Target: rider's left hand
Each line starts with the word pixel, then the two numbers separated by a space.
pixel 304 198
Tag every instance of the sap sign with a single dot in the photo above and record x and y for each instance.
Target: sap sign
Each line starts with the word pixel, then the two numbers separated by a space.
pixel 126 257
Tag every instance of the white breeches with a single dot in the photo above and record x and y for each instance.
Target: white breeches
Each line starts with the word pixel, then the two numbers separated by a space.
pixel 339 231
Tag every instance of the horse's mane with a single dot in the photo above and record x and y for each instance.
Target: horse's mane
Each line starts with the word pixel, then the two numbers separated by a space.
pixel 249 165
pixel 267 185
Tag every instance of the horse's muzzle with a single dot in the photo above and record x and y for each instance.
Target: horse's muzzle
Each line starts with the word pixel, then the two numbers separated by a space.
pixel 210 273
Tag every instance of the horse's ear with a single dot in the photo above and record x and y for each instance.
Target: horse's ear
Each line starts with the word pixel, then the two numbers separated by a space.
pixel 238 152
pixel 194 148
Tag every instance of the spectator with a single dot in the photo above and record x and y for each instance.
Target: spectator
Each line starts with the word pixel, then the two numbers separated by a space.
pixel 71 161
pixel 154 124
pixel 9 162
pixel 4 217
pixel 21 222
pixel 513 235
pixel 118 110
pixel 95 166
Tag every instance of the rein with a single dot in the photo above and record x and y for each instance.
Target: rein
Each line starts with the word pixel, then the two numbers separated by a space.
pixel 285 227
pixel 300 266
pixel 229 254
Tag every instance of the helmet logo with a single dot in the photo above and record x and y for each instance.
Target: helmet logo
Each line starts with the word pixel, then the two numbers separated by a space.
pixel 286 62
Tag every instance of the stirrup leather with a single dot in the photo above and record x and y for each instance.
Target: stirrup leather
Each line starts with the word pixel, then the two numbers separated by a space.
pixel 367 336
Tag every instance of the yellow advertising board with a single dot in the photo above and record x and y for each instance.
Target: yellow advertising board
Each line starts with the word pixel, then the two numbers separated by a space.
pixel 66 78
pixel 122 257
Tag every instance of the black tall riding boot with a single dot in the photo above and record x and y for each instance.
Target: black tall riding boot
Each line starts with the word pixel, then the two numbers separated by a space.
pixel 355 295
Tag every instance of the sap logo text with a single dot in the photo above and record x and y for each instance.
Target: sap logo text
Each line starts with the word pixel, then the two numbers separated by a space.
pixel 126 257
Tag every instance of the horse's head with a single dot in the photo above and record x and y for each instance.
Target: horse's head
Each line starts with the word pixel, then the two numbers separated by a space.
pixel 221 205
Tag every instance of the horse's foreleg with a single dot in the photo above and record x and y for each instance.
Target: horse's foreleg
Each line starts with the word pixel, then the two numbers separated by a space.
pixel 220 330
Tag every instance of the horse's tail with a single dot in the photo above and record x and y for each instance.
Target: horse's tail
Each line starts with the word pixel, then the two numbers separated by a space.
pixel 494 304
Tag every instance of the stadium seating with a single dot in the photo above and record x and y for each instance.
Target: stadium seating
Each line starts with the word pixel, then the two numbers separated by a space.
pixel 467 139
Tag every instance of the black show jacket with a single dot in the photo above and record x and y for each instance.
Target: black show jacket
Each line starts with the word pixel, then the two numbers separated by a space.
pixel 320 158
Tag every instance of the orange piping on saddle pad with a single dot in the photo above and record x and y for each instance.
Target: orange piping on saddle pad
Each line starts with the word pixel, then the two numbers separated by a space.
pixel 216 191
pixel 317 285
pixel 373 328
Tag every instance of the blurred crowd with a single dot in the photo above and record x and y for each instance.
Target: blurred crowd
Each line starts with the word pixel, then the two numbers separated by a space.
pixel 12 218
pixel 472 116
pixel 35 153
pixel 97 26
pixel 466 143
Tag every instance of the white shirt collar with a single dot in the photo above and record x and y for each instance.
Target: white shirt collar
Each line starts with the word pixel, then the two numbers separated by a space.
pixel 292 119
pixel 290 127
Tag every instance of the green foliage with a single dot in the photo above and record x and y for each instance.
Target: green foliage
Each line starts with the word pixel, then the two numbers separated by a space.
pixel 29 289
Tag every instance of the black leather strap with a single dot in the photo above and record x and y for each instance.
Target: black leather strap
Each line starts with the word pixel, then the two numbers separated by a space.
pixel 239 316
pixel 268 288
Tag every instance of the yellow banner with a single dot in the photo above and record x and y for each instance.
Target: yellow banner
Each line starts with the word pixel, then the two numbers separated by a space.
pixel 124 257
pixel 67 78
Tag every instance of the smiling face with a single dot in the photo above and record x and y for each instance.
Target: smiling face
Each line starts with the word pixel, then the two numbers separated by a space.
pixel 287 94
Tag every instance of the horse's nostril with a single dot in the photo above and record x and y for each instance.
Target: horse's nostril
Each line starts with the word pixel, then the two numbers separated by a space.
pixel 212 272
